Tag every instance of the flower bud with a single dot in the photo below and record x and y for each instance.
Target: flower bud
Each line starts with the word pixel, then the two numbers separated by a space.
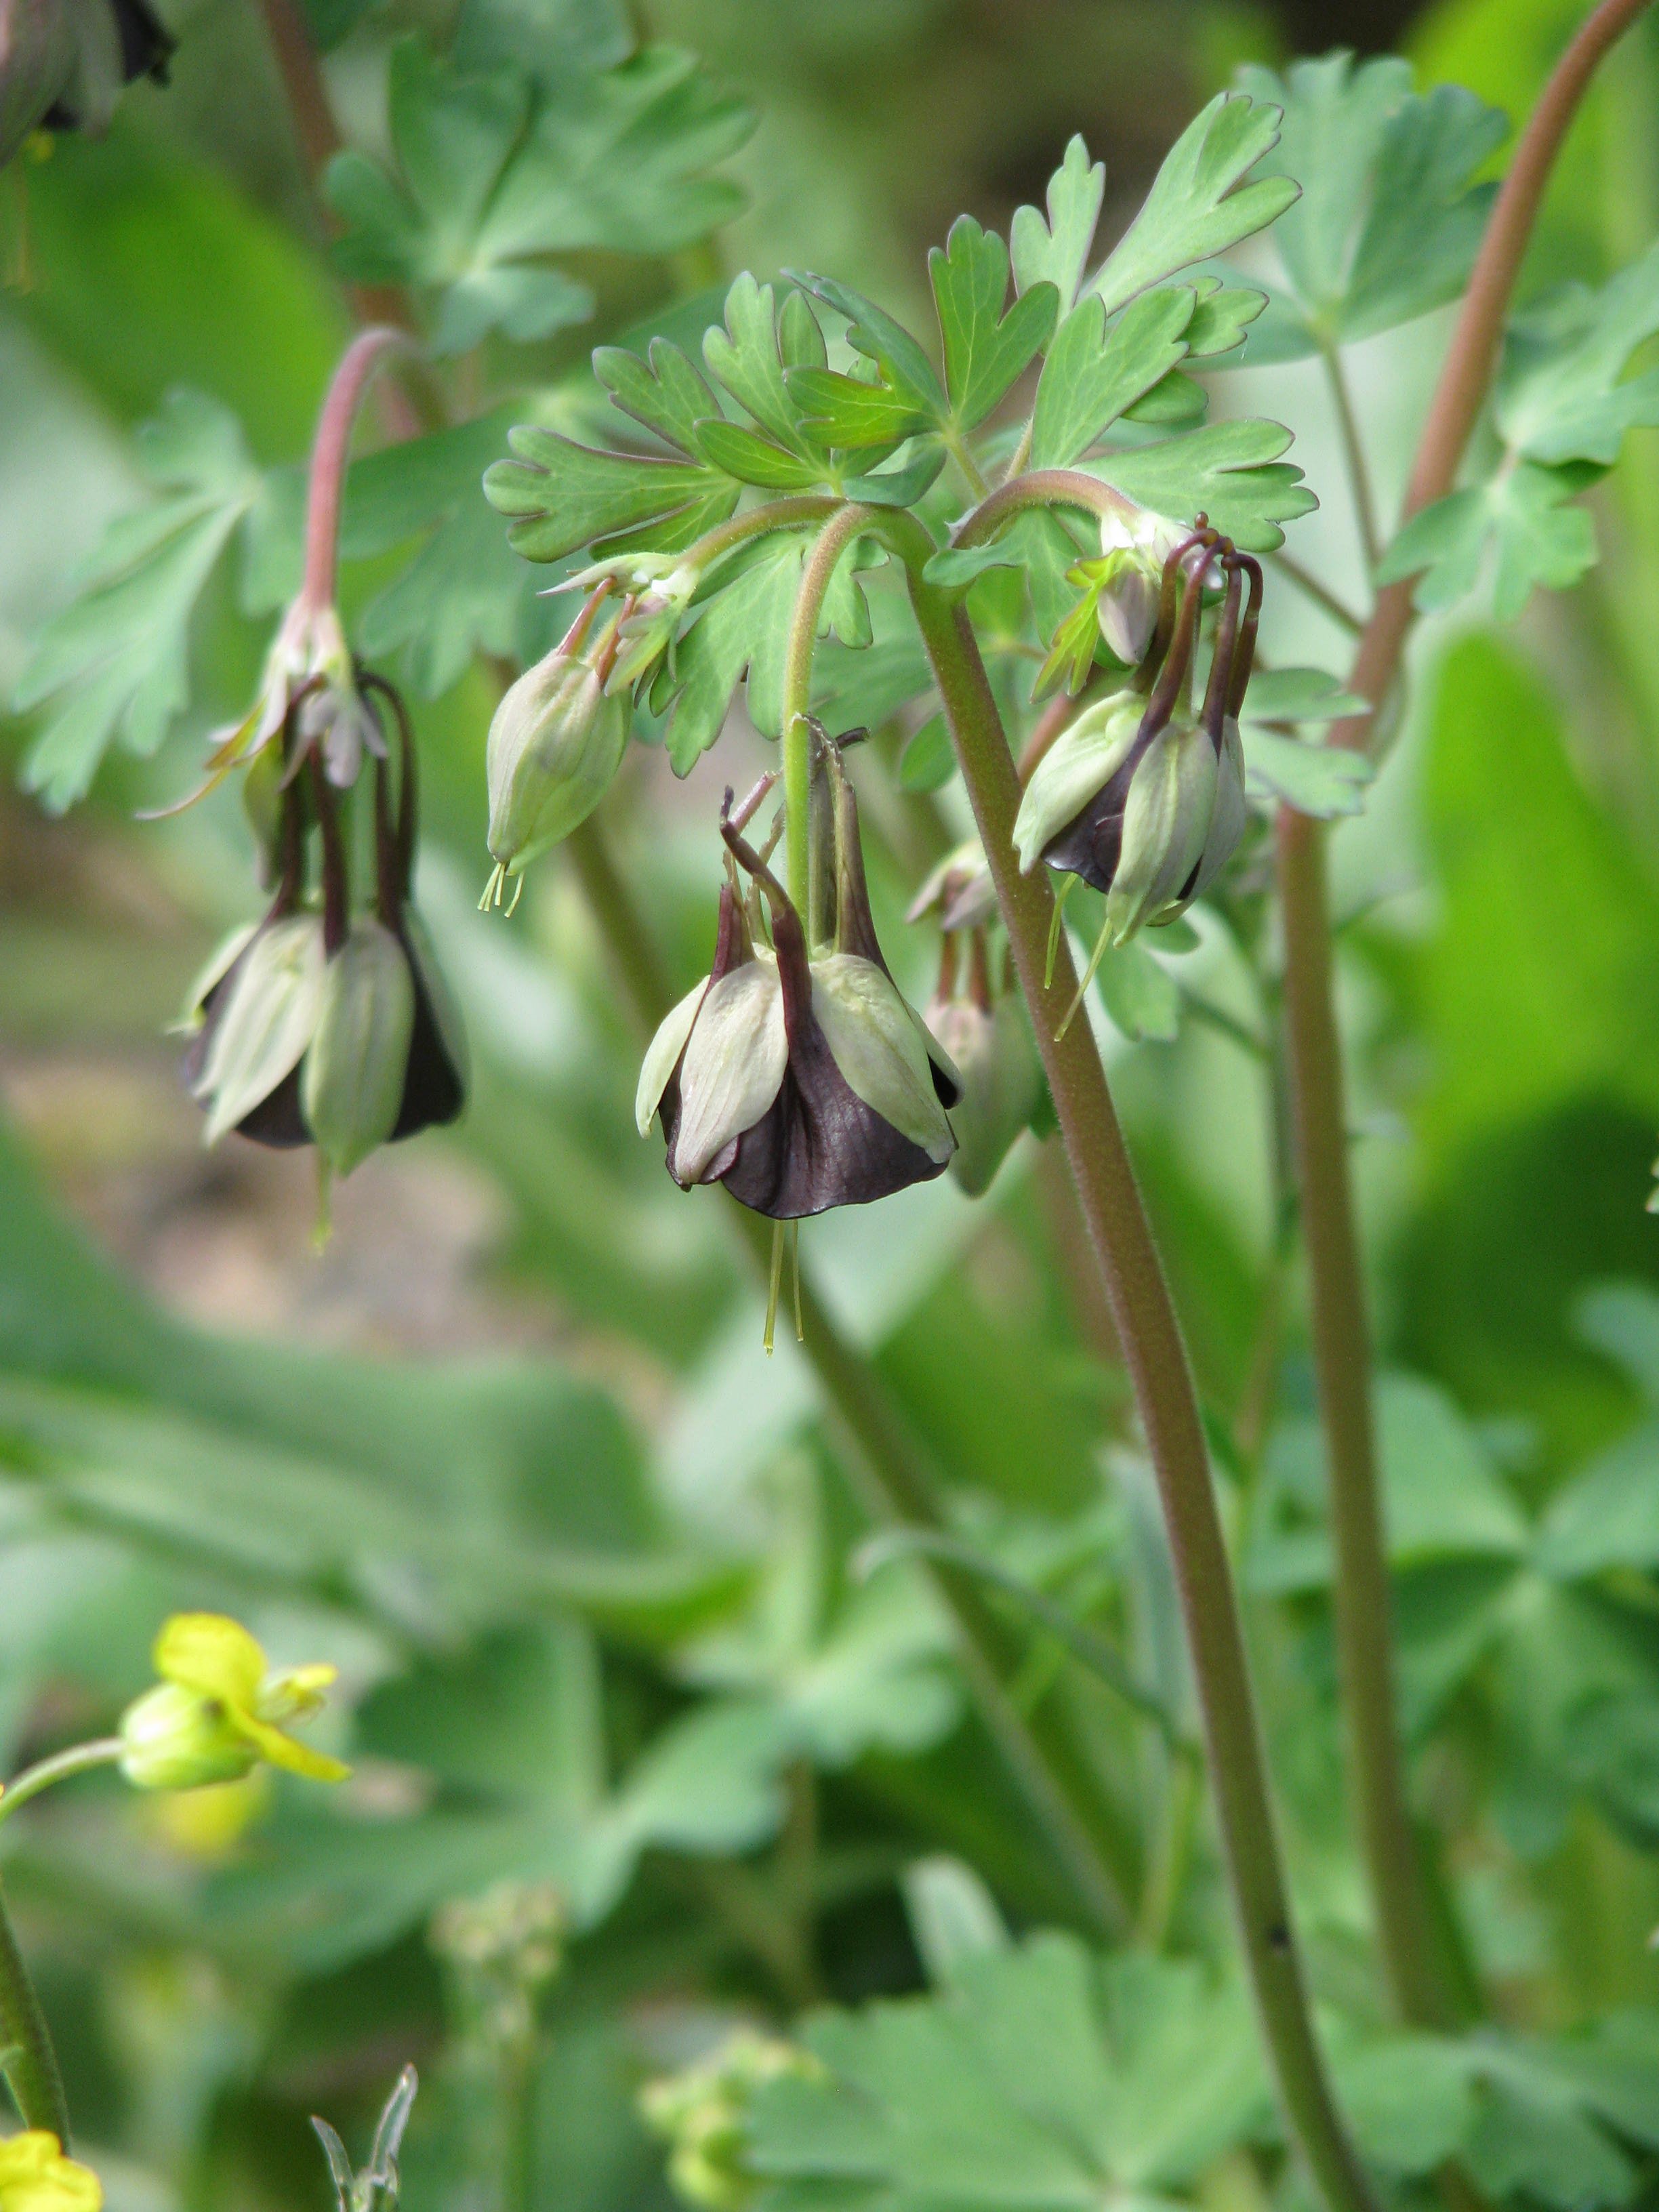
pixel 1130 579
pixel 351 1089
pixel 177 1739
pixel 1084 759
pixel 995 1055
pixel 555 744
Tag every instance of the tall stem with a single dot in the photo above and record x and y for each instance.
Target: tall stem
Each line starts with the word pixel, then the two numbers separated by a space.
pixel 832 540
pixel 329 453
pixel 1157 1361
pixel 1341 1346
pixel 901 1485
pixel 1353 453
pixel 32 2066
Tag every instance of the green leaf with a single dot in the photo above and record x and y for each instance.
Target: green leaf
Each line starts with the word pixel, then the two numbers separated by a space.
pixel 552 39
pixel 1140 994
pixel 490 178
pixel 1229 471
pixel 1199 203
pixel 1390 221
pixel 665 393
pixel 845 412
pixel 903 484
pixel 904 367
pixel 1057 251
pixel 745 357
pixel 929 762
pixel 1037 2077
pixel 115 662
pixel 1301 694
pixel 985 350
pixel 1323 781
pixel 1559 397
pixel 1175 402
pixel 1092 374
pixel 753 459
pixel 562 495
pixel 1410 2100
pixel 744 623
pixel 1524 520
pixel 1221 318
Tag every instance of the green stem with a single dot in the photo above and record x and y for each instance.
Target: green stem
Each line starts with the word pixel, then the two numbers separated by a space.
pixel 1041 488
pixel 775 514
pixel 1354 455
pixel 1360 1594
pixel 79 1758
pixel 31 2063
pixel 1157 1361
pixel 837 533
pixel 901 1486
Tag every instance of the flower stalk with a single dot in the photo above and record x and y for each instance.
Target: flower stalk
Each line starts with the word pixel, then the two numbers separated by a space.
pixel 329 456
pixel 31 2064
pixel 1155 1359
pixel 1314 1069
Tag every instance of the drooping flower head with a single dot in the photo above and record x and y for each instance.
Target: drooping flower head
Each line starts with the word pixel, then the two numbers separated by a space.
pixel 36 2176
pixel 1139 797
pixel 322 1026
pixel 219 1711
pixel 801 1078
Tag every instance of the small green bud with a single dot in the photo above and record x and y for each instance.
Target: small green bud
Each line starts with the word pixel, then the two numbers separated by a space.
pixel 257 1018
pixel 177 1739
pixel 351 1087
pixel 1167 818
pixel 703 2112
pixel 555 744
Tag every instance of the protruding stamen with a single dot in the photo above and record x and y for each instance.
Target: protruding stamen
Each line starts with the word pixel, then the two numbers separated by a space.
pixel 1089 973
pixel 492 890
pixel 518 893
pixel 794 1259
pixel 1054 925
pixel 776 1280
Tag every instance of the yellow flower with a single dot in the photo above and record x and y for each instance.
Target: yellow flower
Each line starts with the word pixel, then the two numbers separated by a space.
pixel 36 2176
pixel 217 1711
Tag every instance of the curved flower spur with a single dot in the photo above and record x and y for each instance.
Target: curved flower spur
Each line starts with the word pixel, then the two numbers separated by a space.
pixel 797 1074
pixel 1136 797
pixel 325 1027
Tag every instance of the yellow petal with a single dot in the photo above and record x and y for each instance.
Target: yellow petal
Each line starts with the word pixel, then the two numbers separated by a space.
pixel 211 1655
pixel 279 1750
pixel 36 2176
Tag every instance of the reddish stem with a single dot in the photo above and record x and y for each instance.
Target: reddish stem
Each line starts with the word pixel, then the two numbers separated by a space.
pixel 330 455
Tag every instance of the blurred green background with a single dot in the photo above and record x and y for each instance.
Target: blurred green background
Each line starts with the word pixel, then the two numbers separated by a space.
pixel 510 1450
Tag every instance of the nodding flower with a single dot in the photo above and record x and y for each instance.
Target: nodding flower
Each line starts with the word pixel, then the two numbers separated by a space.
pixel 1137 797
pixel 798 1074
pixel 318 1026
pixel 63 63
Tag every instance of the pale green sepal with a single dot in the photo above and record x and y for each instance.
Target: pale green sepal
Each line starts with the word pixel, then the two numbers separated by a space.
pixel 1080 760
pixel 1166 820
pixel 555 741
pixel 217 965
pixel 662 1054
pixel 1230 814
pixel 351 1086
pixel 269 1018
pixel 734 1063
pixel 877 1040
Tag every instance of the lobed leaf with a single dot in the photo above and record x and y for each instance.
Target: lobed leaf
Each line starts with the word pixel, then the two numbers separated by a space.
pixel 561 496
pixel 985 350
pixel 1559 397
pixel 1093 374
pixel 1523 522
pixel 1229 471
pixel 664 392
pixel 1057 251
pixel 1200 203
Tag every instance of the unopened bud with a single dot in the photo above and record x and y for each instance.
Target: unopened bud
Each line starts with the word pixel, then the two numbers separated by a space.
pixel 352 1086
pixel 995 1056
pixel 555 744
pixel 704 2114
pixel 178 1739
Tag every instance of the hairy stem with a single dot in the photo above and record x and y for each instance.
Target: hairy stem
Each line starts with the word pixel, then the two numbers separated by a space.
pixel 755 522
pixel 1157 1361
pixel 32 2063
pixel 329 453
pixel 834 538
pixel 1314 1064
pixel 1041 488
pixel 902 1487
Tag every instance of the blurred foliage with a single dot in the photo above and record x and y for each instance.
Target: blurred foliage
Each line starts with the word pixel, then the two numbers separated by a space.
pixel 588 1561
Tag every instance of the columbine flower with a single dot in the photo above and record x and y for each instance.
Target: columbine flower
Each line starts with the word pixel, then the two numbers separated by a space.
pixel 323 1029
pixel 703 2112
pixel 555 742
pixel 63 63
pixel 36 2176
pixel 801 1082
pixel 218 1710
pixel 1129 579
pixel 1136 797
